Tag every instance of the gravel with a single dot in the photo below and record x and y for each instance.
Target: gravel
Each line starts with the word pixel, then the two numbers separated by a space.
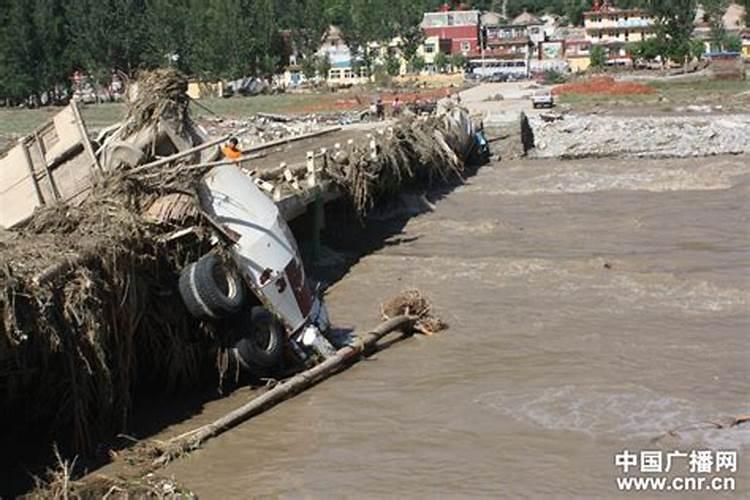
pixel 582 136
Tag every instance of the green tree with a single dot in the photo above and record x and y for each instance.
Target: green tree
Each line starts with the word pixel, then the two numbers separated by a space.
pixel 417 64
pixel 441 61
pixel 411 38
pixel 392 64
pixel 647 50
pixel 323 66
pixel 674 20
pixel 309 67
pixel 697 48
pixel 49 40
pixel 309 28
pixel 106 35
pixel 714 13
pixel 166 37
pixel 733 43
pixel 574 10
pixel 458 61
pixel 16 52
pixel 598 56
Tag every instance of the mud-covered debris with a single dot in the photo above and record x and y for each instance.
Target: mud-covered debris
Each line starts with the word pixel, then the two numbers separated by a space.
pixel 414 303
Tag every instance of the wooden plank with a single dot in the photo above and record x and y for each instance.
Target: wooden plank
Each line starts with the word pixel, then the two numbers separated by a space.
pixel 84 135
pixel 180 155
pixel 32 174
pixel 43 154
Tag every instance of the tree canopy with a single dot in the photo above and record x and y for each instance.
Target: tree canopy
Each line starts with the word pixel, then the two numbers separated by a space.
pixel 42 42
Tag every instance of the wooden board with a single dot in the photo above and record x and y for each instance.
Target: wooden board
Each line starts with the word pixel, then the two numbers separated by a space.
pixel 52 164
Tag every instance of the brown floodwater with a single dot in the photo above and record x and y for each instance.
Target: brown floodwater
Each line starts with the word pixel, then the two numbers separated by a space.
pixel 593 306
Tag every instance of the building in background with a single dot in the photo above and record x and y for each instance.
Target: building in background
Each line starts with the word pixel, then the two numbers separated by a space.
pixel 508 41
pixel 745 36
pixel 733 21
pixel 614 29
pixel 431 47
pixel 342 59
pixel 461 27
pixel 578 54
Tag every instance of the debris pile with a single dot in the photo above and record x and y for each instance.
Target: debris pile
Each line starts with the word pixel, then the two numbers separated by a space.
pixel 262 128
pixel 421 150
pixel 87 297
pixel 582 136
pixel 414 303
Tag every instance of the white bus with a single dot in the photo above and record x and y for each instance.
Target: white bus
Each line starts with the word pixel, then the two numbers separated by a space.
pixel 512 68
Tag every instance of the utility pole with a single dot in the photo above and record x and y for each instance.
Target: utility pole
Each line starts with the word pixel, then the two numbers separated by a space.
pixel 482 40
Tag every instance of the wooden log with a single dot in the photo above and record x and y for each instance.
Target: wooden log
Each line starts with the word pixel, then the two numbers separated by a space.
pixel 238 161
pixel 304 380
pixel 181 154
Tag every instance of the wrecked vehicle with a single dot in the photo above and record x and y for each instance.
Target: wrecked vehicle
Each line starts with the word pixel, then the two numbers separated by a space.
pixel 266 262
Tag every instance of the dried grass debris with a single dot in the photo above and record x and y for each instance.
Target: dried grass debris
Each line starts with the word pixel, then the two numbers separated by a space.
pixel 414 303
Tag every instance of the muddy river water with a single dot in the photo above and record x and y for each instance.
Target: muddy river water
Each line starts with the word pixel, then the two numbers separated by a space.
pixel 594 305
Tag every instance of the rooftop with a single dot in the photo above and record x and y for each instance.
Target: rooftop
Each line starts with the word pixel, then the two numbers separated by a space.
pixel 526 18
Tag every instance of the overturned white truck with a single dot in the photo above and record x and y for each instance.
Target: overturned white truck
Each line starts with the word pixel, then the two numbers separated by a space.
pixel 265 261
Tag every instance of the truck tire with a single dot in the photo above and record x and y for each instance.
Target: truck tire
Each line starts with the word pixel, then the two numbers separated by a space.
pixel 209 290
pixel 261 343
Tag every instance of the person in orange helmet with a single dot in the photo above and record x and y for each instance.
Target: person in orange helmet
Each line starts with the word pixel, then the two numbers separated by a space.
pixel 230 150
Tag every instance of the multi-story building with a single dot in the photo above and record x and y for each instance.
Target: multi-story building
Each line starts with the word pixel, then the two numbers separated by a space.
pixel 507 42
pixel 615 28
pixel 431 47
pixel 578 54
pixel 461 27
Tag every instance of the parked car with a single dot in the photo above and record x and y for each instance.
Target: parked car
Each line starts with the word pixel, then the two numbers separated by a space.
pixel 261 287
pixel 543 99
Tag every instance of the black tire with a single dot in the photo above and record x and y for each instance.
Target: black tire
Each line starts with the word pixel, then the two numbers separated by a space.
pixel 263 344
pixel 209 290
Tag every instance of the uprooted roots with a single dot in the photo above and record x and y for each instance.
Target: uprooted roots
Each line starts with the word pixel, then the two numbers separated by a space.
pixel 162 95
pixel 414 303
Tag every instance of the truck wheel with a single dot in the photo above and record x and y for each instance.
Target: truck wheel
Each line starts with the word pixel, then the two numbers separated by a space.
pixel 208 289
pixel 263 344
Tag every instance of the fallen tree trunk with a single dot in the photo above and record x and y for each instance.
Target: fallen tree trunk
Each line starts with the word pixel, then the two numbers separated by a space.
pixel 343 357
